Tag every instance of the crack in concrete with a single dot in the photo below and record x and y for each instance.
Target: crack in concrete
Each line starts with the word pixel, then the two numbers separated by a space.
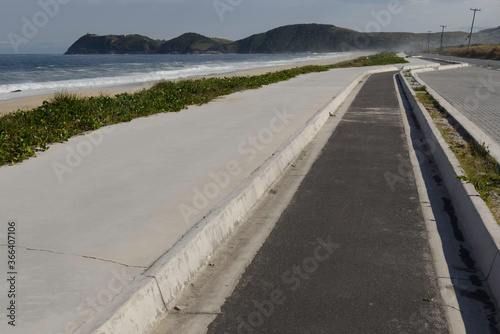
pixel 84 256
pixel 492 264
pixel 453 307
pixel 159 289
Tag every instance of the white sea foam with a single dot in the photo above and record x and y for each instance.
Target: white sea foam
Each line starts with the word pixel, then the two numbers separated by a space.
pixel 173 71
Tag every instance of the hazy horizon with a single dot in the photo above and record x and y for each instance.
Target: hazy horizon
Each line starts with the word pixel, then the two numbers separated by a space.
pixel 51 26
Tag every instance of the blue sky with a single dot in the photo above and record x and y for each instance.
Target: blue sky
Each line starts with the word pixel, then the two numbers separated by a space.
pixel 51 26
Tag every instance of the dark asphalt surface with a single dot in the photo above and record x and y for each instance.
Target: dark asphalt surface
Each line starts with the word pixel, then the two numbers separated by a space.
pixel 350 253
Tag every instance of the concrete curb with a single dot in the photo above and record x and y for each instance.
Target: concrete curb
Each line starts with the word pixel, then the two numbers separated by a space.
pixel 141 304
pixel 413 67
pixel 479 135
pixel 474 217
pixel 444 60
pixel 437 67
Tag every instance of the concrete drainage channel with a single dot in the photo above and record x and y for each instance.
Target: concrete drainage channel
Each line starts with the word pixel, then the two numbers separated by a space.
pixel 138 308
pixel 475 219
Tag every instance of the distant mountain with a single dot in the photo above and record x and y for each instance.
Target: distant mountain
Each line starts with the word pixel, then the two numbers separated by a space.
pixel 111 44
pixel 291 38
pixel 492 34
pixel 297 38
pixel 194 43
pixel 491 31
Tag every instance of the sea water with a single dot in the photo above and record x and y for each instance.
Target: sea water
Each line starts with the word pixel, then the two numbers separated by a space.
pixel 30 75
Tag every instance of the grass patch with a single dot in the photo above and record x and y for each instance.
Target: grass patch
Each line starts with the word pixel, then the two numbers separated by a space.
pixel 485 51
pixel 385 58
pixel 420 89
pixel 23 133
pixel 480 168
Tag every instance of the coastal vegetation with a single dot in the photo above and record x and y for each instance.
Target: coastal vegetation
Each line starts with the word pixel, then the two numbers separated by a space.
pixel 485 51
pixel 290 38
pixel 25 132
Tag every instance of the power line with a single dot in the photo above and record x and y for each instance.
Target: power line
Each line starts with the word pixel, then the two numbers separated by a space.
pixel 473 19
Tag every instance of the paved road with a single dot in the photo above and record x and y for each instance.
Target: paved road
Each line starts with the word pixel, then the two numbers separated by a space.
pixel 484 63
pixel 473 91
pixel 350 253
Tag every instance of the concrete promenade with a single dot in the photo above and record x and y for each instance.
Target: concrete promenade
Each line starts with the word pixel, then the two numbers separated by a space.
pixel 91 215
pixel 350 253
pixel 473 91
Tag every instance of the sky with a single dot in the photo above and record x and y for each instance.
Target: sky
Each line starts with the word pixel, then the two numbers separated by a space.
pixel 51 26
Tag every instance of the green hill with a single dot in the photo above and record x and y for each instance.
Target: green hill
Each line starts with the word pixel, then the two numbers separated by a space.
pixel 490 35
pixel 114 44
pixel 193 43
pixel 296 38
pixel 492 31
pixel 291 38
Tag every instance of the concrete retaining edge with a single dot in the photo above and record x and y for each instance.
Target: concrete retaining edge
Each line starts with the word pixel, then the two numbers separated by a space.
pixel 413 67
pixel 475 219
pixel 142 304
pixel 438 67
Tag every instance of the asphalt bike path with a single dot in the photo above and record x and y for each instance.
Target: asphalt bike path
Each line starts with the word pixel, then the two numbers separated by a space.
pixel 350 253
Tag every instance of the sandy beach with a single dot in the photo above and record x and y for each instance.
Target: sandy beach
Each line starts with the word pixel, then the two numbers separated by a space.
pixel 31 102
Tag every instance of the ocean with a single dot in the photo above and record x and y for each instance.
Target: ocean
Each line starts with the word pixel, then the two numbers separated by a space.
pixel 30 75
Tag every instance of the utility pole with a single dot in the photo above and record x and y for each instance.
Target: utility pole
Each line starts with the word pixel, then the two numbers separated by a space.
pixel 473 19
pixel 429 41
pixel 441 47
